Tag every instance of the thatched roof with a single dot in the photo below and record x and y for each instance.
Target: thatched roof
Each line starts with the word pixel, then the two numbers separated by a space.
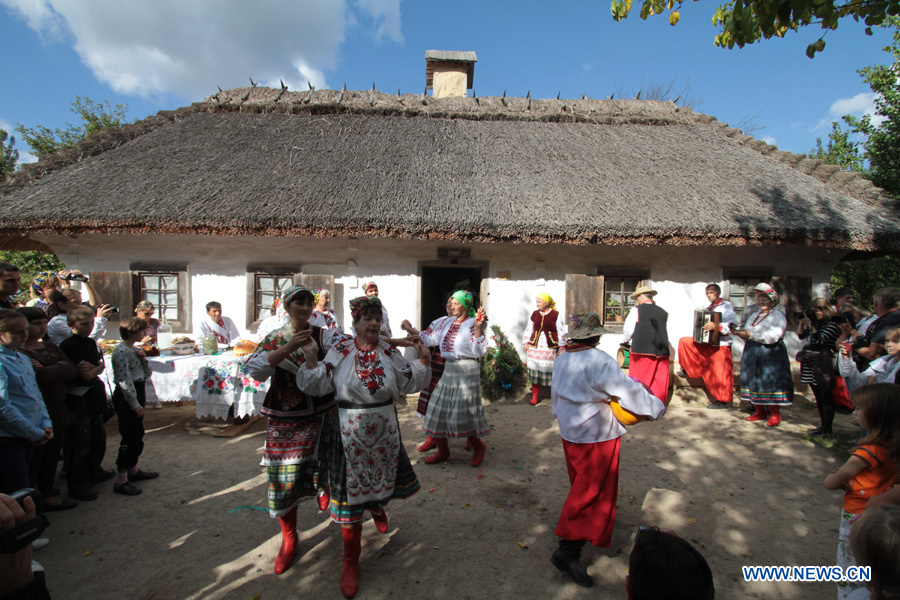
pixel 264 162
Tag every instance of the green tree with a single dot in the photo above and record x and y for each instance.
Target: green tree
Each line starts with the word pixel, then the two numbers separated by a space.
pixel 840 151
pixel 94 117
pixel 744 22
pixel 8 155
pixel 865 277
pixel 882 144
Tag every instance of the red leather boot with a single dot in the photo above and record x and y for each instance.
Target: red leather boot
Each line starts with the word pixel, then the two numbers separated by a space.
pixel 288 541
pixel 759 414
pixel 480 448
pixel 429 444
pixel 381 520
pixel 350 571
pixel 774 416
pixel 324 498
pixel 442 454
pixel 535 392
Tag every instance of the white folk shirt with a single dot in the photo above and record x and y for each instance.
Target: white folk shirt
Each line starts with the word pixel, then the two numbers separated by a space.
pixel 456 340
pixel 767 330
pixel 728 316
pixel 884 369
pixel 338 374
pixel 229 331
pixel 584 381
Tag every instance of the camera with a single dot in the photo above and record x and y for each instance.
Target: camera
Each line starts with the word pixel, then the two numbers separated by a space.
pixel 112 309
pixel 805 314
pixel 735 327
pixel 75 277
pixel 15 539
pixel 844 317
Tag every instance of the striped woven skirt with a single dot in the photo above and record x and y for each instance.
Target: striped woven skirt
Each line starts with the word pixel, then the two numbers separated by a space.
pixel 437 369
pixel 766 374
pixel 454 410
pixel 296 460
pixel 405 483
pixel 539 361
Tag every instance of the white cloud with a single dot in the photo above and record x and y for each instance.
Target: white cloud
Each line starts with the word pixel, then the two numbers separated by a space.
pixel 769 140
pixel 386 14
pixel 857 106
pixel 191 47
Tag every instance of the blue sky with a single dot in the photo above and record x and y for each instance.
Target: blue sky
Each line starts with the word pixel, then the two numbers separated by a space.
pixel 168 53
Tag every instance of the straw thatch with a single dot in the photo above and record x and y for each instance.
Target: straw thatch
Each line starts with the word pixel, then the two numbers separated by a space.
pixel 263 162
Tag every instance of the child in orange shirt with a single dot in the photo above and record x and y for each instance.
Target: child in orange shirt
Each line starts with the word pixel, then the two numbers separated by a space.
pixel 872 468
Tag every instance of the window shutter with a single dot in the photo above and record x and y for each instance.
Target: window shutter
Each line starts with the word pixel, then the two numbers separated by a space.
pixel 584 293
pixel 316 282
pixel 114 287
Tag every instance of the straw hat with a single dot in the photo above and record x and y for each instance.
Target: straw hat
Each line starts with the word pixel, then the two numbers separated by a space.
pixel 586 325
pixel 643 290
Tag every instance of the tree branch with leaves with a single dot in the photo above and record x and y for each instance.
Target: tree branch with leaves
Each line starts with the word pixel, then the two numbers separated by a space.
pixel 94 116
pixel 743 22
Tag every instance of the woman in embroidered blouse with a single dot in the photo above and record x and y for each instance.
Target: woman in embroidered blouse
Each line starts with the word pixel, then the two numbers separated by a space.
pixel 296 452
pixel 454 410
pixel 323 310
pixel 542 341
pixel 368 464
pixel 766 379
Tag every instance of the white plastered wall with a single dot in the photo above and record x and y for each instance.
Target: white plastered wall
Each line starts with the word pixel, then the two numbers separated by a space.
pixel 217 267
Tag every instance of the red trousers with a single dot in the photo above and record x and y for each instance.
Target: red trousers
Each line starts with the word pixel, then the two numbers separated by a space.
pixel 653 371
pixel 712 363
pixel 589 511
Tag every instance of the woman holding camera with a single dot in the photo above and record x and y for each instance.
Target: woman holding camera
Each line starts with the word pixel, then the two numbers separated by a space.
pixel 817 360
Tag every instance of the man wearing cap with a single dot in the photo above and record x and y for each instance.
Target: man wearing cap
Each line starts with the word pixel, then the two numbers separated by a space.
pixel 645 328
pixel 585 381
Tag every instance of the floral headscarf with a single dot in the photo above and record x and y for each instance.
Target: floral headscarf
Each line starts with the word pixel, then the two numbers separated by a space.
pixel 546 298
pixel 773 296
pixel 292 291
pixel 38 282
pixel 465 298
pixel 357 305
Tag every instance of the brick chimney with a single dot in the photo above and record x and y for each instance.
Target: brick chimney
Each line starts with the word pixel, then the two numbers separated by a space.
pixel 449 73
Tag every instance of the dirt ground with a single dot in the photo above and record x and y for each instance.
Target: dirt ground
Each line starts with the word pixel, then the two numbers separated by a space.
pixel 743 493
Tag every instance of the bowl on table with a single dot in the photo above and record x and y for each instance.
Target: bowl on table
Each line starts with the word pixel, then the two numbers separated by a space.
pixel 183 348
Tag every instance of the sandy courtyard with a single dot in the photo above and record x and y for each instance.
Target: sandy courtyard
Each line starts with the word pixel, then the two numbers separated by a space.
pixel 743 493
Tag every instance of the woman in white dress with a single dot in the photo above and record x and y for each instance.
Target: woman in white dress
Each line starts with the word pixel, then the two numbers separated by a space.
pixel 368 465
pixel 454 410
pixel 543 338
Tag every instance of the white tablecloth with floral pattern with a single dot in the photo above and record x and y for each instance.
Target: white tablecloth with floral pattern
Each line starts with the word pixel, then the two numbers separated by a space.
pixel 215 383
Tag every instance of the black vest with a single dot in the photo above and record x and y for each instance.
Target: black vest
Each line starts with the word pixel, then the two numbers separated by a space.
pixel 650 335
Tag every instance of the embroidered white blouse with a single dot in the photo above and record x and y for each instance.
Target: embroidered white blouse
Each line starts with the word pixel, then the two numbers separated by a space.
pixel 583 383
pixel 456 340
pixel 728 316
pixel 348 372
pixel 229 332
pixel 766 329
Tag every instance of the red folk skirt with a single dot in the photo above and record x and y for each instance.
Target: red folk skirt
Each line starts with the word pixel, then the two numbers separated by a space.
pixel 589 511
pixel 652 371
pixel 712 363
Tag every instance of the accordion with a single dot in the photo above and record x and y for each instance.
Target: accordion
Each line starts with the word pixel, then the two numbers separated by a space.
pixel 701 318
